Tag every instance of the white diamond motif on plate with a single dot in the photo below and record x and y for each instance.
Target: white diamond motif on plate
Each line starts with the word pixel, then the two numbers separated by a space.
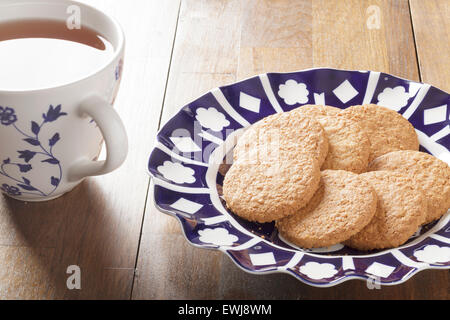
pixel 262 259
pixel 435 115
pixel 185 144
pixel 248 102
pixel 186 206
pixel 380 270
pixel 345 92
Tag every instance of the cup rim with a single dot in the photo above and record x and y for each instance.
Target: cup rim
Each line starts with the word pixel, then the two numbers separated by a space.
pixel 117 52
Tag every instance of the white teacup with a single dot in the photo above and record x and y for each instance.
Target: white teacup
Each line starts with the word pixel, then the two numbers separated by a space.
pixel 50 138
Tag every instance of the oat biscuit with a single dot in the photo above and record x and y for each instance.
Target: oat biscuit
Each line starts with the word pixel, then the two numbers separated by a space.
pixel 432 175
pixel 271 190
pixel 386 129
pixel 348 144
pixel 317 110
pixel 282 136
pixel 343 205
pixel 400 211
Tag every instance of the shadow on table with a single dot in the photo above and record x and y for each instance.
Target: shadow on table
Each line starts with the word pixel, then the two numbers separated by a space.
pixel 77 229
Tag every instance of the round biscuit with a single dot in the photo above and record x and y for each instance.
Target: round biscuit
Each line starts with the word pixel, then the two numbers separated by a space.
pixel 432 175
pixel 386 129
pixel 317 110
pixel 269 191
pixel 343 205
pixel 348 144
pixel 400 211
pixel 282 136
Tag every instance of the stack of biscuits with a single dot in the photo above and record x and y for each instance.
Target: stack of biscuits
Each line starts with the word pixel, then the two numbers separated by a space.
pixel 329 176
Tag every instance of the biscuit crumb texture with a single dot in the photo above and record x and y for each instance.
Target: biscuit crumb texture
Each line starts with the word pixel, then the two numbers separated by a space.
pixel 431 173
pixel 400 211
pixel 349 146
pixel 343 205
pixel 317 110
pixel 386 129
pixel 271 190
pixel 282 136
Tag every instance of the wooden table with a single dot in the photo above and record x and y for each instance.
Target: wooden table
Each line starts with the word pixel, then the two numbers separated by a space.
pixel 177 50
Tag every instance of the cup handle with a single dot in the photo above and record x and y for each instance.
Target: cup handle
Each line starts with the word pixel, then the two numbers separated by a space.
pixel 114 134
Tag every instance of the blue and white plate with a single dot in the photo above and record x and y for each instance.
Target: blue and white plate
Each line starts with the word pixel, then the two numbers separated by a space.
pixel 187 169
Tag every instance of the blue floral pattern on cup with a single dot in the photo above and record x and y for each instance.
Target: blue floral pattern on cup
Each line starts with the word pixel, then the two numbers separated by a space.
pixel 11 190
pixel 37 148
pixel 7 116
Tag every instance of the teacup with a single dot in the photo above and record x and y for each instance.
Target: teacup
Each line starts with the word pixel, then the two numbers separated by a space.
pixel 50 138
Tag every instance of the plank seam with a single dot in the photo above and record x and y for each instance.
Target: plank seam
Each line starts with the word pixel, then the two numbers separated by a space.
pixel 150 180
pixel 415 41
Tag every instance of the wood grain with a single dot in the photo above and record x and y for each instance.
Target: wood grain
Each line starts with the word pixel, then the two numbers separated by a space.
pixel 342 37
pixel 256 37
pixel 97 226
pixel 168 267
pixel 432 33
pixel 275 35
pixel 25 273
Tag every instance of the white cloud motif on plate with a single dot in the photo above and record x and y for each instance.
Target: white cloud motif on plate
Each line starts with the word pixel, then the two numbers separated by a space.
pixel 212 119
pixel 317 271
pixel 293 92
pixel 218 236
pixel 393 98
pixel 176 172
pixel 433 254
